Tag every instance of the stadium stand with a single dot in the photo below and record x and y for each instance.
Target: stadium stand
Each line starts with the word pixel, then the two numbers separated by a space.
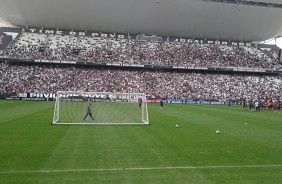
pixel 156 84
pixel 5 39
pixel 21 77
pixel 125 51
pixel 26 46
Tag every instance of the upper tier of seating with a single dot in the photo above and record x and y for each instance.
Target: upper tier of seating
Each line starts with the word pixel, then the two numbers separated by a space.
pixel 126 51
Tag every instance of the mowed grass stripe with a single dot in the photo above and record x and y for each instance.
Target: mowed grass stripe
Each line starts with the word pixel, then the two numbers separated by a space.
pixel 25 143
pixel 22 114
pixel 15 109
pixel 251 126
pixel 123 147
pixel 127 146
pixel 258 127
pixel 111 146
pixel 30 143
pixel 211 176
pixel 236 139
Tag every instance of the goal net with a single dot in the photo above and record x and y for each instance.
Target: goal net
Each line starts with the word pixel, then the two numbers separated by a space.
pixel 100 108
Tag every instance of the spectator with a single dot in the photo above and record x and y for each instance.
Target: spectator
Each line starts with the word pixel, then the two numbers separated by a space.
pixel 50 79
pixel 122 51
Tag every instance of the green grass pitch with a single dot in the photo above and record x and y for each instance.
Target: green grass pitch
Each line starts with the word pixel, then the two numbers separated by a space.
pixel 247 150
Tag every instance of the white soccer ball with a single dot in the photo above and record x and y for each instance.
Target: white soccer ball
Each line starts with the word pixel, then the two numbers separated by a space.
pixel 177 126
pixel 217 132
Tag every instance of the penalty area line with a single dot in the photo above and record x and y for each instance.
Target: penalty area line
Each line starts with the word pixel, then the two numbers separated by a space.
pixel 137 168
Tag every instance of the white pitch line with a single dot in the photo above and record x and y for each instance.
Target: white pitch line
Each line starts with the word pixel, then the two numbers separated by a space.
pixel 23 115
pixel 138 168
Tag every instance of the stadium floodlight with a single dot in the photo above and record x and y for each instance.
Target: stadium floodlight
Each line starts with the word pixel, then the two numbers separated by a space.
pixel 100 108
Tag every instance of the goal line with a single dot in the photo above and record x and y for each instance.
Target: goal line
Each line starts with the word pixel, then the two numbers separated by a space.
pixel 99 123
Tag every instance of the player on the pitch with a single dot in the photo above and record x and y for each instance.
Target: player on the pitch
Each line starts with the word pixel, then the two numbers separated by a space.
pixel 140 102
pixel 89 112
pixel 161 103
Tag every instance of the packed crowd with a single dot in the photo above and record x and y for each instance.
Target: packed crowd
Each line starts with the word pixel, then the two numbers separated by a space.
pixel 124 51
pixel 156 84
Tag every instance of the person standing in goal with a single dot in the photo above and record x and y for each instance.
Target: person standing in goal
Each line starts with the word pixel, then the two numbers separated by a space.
pixel 140 103
pixel 89 112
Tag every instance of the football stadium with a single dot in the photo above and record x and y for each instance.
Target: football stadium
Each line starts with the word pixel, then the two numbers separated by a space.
pixel 151 91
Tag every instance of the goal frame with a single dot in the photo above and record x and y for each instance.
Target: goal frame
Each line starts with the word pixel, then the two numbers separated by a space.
pixel 144 114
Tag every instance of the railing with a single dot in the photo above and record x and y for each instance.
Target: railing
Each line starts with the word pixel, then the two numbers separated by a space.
pixel 148 66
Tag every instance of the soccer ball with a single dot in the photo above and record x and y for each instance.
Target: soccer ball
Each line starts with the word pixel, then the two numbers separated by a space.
pixel 177 126
pixel 217 132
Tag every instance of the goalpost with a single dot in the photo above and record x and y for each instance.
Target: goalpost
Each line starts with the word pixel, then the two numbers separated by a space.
pixel 73 107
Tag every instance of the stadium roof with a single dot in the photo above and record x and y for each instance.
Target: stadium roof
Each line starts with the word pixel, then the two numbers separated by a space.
pixel 186 18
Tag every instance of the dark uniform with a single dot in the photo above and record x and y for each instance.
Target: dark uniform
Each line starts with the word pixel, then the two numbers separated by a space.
pixel 161 103
pixel 89 112
pixel 140 102
pixel 244 104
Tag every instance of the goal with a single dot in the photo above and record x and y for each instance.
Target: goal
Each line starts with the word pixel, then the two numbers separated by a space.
pixel 105 108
